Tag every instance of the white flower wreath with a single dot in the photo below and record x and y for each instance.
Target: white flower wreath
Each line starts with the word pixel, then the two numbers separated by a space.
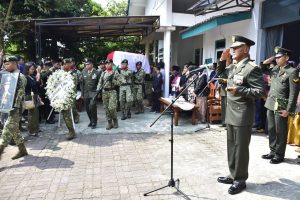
pixel 60 90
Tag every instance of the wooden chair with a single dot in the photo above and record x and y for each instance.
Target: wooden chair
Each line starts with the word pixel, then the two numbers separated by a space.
pixel 213 104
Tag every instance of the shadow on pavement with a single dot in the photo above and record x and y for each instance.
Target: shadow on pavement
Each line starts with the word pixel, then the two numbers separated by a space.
pixel 42 162
pixel 276 189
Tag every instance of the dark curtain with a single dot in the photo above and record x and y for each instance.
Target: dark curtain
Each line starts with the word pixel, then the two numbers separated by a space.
pixel 273 39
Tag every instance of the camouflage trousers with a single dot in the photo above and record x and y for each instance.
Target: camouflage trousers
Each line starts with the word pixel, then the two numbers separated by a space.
pixel 11 129
pixel 138 94
pixel 125 98
pixel 109 99
pixel 68 119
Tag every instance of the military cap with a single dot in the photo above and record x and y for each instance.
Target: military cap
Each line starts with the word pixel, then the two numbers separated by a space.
pixel 138 63
pixel 88 61
pixel 29 64
pixel 240 40
pixel 109 61
pixel 281 52
pixel 125 61
pixel 67 60
pixel 48 63
pixel 10 58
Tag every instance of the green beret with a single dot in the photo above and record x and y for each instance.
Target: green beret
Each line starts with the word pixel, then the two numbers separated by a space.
pixel 281 52
pixel 240 40
pixel 10 58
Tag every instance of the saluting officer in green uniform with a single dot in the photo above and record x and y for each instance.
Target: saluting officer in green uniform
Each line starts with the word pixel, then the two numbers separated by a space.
pixel 139 79
pixel 281 102
pixel 125 93
pixel 244 84
pixel 90 79
pixel 67 113
pixel 11 126
pixel 108 82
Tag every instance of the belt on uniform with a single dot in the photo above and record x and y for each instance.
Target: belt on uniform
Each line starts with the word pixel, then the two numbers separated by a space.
pixel 109 89
pixel 138 83
pixel 125 84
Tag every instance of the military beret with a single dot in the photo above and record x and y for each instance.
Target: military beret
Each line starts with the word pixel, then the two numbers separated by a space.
pixel 138 63
pixel 240 40
pixel 10 58
pixel 88 61
pixel 125 61
pixel 67 60
pixel 281 52
pixel 109 61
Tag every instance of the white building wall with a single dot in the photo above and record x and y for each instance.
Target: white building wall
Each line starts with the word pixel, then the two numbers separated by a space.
pixel 248 28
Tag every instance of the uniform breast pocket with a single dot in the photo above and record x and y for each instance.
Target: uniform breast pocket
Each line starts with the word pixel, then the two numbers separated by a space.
pixel 239 106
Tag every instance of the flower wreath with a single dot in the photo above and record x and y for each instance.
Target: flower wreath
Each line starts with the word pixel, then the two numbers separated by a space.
pixel 60 90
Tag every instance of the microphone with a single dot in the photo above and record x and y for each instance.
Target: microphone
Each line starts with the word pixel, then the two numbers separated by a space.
pixel 202 67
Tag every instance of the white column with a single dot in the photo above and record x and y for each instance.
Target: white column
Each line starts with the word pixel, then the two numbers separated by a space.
pixel 167 50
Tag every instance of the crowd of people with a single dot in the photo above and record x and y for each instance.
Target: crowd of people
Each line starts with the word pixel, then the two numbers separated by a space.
pixel 264 96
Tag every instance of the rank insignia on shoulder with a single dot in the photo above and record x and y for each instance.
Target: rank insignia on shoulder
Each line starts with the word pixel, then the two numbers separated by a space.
pixel 252 63
pixel 296 80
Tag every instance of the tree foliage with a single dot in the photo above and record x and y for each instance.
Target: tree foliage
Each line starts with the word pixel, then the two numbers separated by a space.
pixel 21 41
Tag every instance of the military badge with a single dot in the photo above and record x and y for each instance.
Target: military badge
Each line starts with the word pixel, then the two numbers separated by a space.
pixel 94 76
pixel 296 80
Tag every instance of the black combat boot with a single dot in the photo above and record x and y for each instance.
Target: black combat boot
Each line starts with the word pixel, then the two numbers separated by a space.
pixel 22 152
pixel 109 125
pixel 116 125
pixel 123 116
pixel 71 135
pixel 128 114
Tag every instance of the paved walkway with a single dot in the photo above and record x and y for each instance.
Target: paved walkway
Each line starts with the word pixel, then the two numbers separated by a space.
pixel 125 163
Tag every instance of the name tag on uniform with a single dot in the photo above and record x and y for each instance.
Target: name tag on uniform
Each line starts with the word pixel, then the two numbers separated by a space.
pixel 238 79
pixel 94 76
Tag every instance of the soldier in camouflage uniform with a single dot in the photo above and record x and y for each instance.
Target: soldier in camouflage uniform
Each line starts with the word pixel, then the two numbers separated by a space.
pixel 67 113
pixel 125 95
pixel 108 82
pixel 139 79
pixel 78 79
pixel 11 126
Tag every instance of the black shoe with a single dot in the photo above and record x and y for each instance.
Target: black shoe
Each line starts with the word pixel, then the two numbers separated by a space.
pixel 223 125
pixel 50 122
pixel 267 156
pixel 276 160
pixel 237 187
pixel 128 114
pixel 225 180
pixel 90 124
pixel 93 126
pixel 299 156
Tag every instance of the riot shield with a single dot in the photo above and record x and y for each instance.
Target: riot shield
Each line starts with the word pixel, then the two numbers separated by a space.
pixel 8 86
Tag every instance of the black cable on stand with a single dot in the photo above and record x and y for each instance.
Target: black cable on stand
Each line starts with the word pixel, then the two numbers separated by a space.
pixel 172 182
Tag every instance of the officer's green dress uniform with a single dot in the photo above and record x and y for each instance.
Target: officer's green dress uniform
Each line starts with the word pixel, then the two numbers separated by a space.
pixel 89 83
pixel 240 111
pixel 125 94
pixel 139 79
pixel 11 126
pixel 285 89
pixel 109 82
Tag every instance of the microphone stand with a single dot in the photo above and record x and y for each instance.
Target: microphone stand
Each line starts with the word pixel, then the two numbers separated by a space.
pixel 172 182
pixel 207 112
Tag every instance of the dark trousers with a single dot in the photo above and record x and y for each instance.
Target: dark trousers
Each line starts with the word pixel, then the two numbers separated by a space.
pixel 91 109
pixel 278 132
pixel 156 103
pixel 238 140
pixel 223 108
